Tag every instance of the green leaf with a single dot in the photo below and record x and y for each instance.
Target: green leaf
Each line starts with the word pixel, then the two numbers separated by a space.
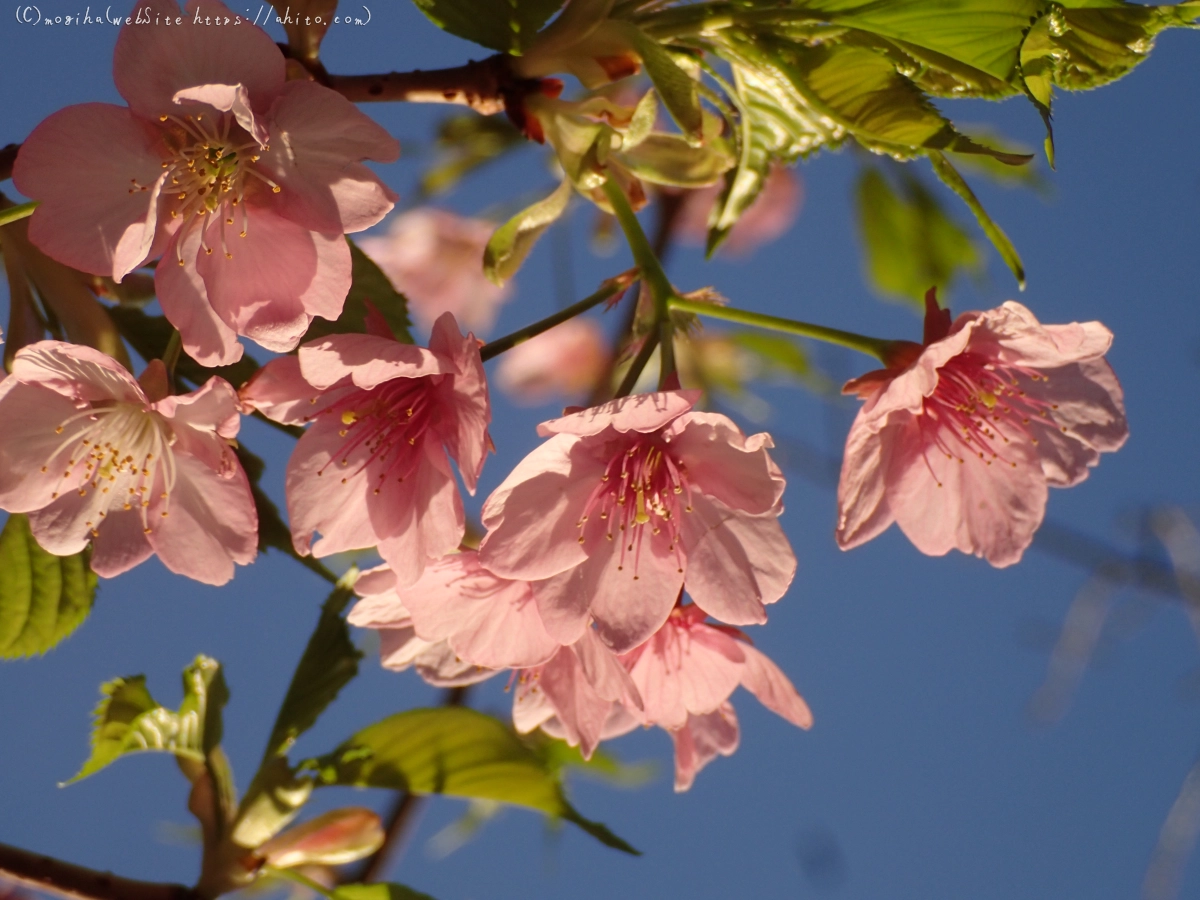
pixel 43 597
pixel 382 891
pixel 328 664
pixel 953 180
pixel 128 720
pixel 674 85
pixel 454 751
pixel 505 25
pixel 512 241
pixel 669 159
pixel 1083 48
pixel 369 285
pixel 908 240
pixel 275 796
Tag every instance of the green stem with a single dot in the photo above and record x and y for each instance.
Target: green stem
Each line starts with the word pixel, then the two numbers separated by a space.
pixel 13 213
pixel 635 368
pixel 293 875
pixel 609 288
pixel 655 279
pixel 876 347
pixel 170 356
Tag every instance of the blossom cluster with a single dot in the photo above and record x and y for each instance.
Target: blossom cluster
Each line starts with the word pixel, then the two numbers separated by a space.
pixel 620 559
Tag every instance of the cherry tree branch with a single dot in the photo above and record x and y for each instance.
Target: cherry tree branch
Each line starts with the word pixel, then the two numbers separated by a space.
pixel 44 873
pixel 483 86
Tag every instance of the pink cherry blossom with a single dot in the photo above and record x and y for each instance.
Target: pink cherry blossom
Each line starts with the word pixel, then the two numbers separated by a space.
pixel 959 439
pixel 582 695
pixel 629 502
pixel 373 470
pixel 685 675
pixel 435 259
pixel 486 620
pixel 768 218
pixel 382 610
pixel 243 182
pixel 566 360
pixel 92 455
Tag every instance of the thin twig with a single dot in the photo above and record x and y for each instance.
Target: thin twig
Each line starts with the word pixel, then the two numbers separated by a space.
pixel 44 873
pixel 480 85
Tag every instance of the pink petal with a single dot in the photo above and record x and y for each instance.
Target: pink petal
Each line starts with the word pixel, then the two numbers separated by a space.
pixel 282 394
pixel 66 524
pixel 1023 340
pixel 581 710
pixel 563 607
pixel 184 300
pixel 379 611
pixel 232 98
pixel 121 544
pixel 210 522
pixel 29 444
pixel 367 360
pixel 419 520
pixel 1088 417
pixel 684 671
pixel 320 139
pixel 279 277
pixel 735 563
pixel 630 602
pixel 724 463
pixel 84 164
pixel 152 63
pixel 863 511
pixel 532 517
pixel 463 426
pixel 605 672
pixel 325 496
pixel 989 511
pixel 640 412
pixel 211 408
pixel 77 372
pixel 487 620
pixel 701 740
pixel 766 681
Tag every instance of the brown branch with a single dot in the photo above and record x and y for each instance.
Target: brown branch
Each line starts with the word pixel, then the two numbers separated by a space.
pixel 399 821
pixel 483 85
pixel 8 156
pixel 44 873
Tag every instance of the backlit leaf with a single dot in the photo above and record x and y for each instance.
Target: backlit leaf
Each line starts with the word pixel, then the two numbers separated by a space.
pixel 43 598
pixel 504 25
pixel 368 285
pixel 512 241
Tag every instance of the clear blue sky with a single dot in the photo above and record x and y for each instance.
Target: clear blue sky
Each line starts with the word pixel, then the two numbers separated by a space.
pixel 923 776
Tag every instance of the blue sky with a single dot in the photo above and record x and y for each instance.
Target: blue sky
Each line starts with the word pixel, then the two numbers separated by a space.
pixel 923 775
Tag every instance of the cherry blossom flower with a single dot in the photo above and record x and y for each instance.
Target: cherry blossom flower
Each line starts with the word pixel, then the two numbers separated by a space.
pixel 382 610
pixel 630 501
pixel 373 470
pixel 91 454
pixel 484 619
pixel 685 675
pixel 582 695
pixel 565 360
pixel 959 438
pixel 243 182
pixel 435 259
pixel 768 218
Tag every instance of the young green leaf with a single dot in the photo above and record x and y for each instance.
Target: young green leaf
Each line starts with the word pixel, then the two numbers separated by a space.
pixel 675 86
pixel 453 751
pixel 953 180
pixel 368 285
pixel 43 598
pixel 129 720
pixel 513 240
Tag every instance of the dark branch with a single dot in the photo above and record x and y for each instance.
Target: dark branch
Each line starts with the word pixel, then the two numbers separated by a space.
pixel 45 873
pixel 483 85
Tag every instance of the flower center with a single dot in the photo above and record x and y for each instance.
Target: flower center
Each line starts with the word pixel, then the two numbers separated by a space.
pixel 389 421
pixel 211 166
pixel 980 407
pixel 642 488
pixel 118 453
